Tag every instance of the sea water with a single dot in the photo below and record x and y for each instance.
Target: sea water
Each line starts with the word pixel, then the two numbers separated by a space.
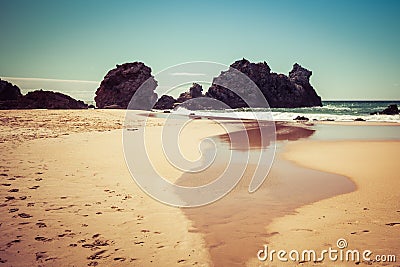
pixel 331 110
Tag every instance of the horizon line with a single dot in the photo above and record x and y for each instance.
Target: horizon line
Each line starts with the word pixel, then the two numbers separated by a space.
pixel 49 80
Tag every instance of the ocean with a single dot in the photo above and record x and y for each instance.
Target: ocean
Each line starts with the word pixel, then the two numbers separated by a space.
pixel 331 110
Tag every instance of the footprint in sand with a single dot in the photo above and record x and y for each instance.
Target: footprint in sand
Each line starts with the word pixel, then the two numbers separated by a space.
pixel 41 255
pixel 392 224
pixel 24 215
pixel 9 244
pixel 363 231
pixel 13 210
pixel 43 239
pixel 13 190
pixel 119 259
pixel 34 187
pixel 8 198
pixel 97 255
pixel 41 224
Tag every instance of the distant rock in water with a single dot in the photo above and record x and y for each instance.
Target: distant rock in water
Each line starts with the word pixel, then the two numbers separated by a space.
pixel 11 98
pixel 359 119
pixel 9 91
pixel 165 102
pixel 390 110
pixel 279 90
pixel 122 82
pixel 301 118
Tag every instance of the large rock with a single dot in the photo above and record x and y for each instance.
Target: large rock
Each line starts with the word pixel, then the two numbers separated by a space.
pixel 278 89
pixel 121 83
pixel 9 91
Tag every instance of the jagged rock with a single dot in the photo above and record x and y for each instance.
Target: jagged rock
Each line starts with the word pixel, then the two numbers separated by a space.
pixel 301 118
pixel 390 110
pixel 9 91
pixel 195 91
pixel 122 82
pixel 165 102
pixel 278 89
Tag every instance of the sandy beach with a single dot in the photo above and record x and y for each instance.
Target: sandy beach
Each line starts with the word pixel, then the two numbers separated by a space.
pixel 67 197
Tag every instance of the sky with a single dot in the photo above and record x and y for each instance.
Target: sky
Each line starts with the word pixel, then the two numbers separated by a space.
pixel 352 47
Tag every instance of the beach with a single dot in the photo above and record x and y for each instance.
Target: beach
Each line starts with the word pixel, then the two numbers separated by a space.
pixel 67 197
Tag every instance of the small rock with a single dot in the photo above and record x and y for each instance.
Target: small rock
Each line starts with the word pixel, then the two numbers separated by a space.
pixel 301 118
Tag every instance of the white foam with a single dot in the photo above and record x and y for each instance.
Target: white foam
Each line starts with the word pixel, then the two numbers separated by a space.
pixel 286 116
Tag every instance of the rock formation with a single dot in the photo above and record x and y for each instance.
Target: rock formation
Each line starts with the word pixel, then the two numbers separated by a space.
pixel 278 89
pixel 9 91
pixel 168 102
pixel 11 98
pixel 195 91
pixel 122 82
pixel 165 102
pixel 390 110
pixel 50 100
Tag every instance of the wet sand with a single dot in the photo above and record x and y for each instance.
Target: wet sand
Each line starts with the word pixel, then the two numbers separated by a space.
pixel 234 226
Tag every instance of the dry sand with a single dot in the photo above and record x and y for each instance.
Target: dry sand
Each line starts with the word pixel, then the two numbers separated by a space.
pixel 70 200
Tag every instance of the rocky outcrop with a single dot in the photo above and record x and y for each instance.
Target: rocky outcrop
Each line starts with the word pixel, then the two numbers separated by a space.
pixel 50 100
pixel 196 90
pixel 168 102
pixel 165 102
pixel 122 82
pixel 9 91
pixel 390 110
pixel 11 98
pixel 278 89
pixel 40 99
